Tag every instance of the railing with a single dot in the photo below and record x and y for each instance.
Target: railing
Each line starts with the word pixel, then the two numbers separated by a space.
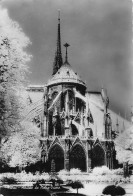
pixel 72 137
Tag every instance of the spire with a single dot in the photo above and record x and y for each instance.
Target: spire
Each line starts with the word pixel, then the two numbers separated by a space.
pixel 58 55
pixel 66 57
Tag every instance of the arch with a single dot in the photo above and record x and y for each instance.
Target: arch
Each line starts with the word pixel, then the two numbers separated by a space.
pixel 74 130
pixel 98 156
pixel 58 130
pixel 68 89
pixel 50 123
pixel 71 98
pixel 78 157
pixel 56 154
pixel 80 104
pixel 90 132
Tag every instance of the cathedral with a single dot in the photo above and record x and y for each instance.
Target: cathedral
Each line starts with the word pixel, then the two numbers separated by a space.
pixel 77 127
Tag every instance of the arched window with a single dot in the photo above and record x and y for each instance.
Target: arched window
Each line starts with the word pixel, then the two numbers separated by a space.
pixel 98 156
pixel 80 105
pixel 56 155
pixel 78 157
pixel 71 99
pixel 58 130
pixel 74 129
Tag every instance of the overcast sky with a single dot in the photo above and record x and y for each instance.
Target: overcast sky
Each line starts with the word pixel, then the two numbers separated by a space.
pixel 99 32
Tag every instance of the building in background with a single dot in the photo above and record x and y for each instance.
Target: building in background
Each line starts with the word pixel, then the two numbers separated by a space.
pixel 77 126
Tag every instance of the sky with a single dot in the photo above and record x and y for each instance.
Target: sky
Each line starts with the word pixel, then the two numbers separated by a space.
pixel 100 36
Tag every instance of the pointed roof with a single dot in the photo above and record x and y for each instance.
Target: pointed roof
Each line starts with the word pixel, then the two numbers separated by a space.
pixel 58 55
pixel 65 75
pixel 56 141
pixel 97 142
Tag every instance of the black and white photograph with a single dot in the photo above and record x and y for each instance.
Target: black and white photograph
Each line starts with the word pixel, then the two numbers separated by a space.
pixel 66 98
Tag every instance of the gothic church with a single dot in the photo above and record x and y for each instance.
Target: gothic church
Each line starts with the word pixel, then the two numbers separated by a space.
pixel 77 126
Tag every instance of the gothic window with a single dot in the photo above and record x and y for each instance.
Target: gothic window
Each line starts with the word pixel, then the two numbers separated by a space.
pixel 62 101
pixel 50 124
pixel 98 156
pixel 63 126
pixel 90 133
pixel 74 129
pixel 71 99
pixel 80 105
pixel 58 130
pixel 56 153
pixel 78 157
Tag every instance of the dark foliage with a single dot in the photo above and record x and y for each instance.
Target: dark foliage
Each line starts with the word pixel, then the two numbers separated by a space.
pixel 76 185
pixel 42 181
pixel 26 192
pixel 37 185
pixel 10 180
pixel 59 181
pixel 114 190
pixel 39 166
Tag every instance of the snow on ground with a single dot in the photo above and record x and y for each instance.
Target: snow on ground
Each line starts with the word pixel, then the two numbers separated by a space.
pixel 91 189
pixel 96 189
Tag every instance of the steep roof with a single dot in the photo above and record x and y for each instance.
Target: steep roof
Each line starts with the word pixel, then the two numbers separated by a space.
pixel 34 92
pixel 65 75
pixel 123 123
pixel 97 108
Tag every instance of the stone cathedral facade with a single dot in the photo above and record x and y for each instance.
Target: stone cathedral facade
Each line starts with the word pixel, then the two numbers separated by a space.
pixel 77 128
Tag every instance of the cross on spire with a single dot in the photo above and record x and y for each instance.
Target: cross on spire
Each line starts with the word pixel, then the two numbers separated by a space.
pixel 58 55
pixel 66 57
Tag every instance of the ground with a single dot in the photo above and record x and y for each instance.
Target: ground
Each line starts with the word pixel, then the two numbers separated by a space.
pixel 97 188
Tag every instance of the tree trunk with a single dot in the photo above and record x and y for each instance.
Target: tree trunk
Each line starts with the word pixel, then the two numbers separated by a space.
pixel 77 191
pixel 126 169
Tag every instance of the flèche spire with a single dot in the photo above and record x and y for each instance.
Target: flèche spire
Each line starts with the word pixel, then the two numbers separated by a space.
pixel 66 57
pixel 58 55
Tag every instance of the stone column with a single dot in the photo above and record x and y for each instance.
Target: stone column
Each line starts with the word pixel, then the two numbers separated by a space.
pixel 87 169
pixel 67 155
pixel 106 159
pixel 89 157
pixel 112 166
pixel 45 133
pixel 67 166
pixel 67 131
pixel 42 125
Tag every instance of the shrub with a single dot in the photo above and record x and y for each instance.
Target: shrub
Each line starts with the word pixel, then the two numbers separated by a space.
pixel 75 171
pixel 24 177
pixel 72 174
pixel 118 171
pixel 77 185
pixel 42 181
pixel 101 170
pixel 63 172
pixel 9 180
